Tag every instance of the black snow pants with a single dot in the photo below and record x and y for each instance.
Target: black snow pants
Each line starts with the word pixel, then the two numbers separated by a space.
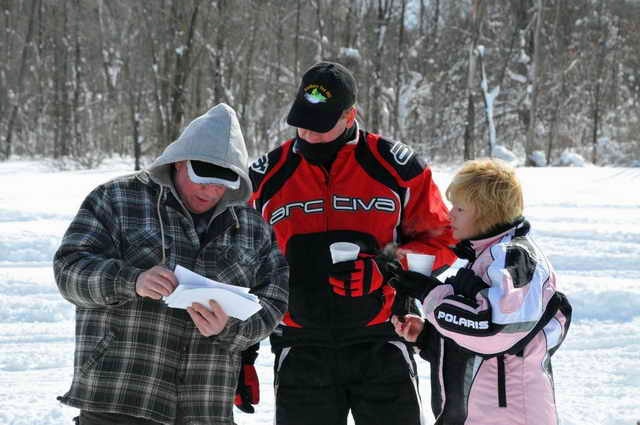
pixel 376 381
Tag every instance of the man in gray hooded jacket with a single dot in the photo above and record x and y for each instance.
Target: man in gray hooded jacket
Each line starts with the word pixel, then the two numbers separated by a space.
pixel 138 361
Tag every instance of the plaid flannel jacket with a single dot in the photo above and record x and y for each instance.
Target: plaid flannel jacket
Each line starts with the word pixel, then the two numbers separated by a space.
pixel 135 355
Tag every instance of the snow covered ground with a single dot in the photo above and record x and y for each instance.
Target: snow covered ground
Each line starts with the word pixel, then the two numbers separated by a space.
pixel 586 219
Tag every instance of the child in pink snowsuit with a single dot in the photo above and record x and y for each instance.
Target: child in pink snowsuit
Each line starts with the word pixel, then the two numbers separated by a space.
pixel 490 330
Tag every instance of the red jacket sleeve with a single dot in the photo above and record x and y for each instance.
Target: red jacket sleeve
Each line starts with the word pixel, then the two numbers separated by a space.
pixel 425 225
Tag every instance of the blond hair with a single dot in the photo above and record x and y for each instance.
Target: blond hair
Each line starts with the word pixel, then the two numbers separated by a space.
pixel 492 188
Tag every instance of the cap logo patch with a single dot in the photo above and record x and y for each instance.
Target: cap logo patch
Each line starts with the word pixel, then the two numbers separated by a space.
pixel 315 93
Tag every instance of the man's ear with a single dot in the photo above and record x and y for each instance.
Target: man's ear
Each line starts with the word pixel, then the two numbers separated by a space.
pixel 351 116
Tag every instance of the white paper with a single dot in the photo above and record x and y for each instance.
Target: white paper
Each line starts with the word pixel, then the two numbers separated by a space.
pixel 192 287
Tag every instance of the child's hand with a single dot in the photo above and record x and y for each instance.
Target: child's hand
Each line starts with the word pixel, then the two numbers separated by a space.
pixel 408 326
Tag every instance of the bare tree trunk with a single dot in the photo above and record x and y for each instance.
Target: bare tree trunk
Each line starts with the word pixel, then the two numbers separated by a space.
pixel 319 12
pixel 23 66
pixel 104 52
pixel 560 50
pixel 384 11
pixel 596 123
pixel 421 31
pixel 182 70
pixel 4 65
pixel 520 10
pixel 218 72
pixel 599 77
pixel 397 128
pixel 296 47
pixel 469 142
pixel 60 77
pixel 535 81
pixel 247 81
pixel 330 23
pixel 477 16
pixel 507 57
pixel 436 19
pixel 157 69
pixel 347 39
pixel 77 81
pixel 133 102
pixel 553 133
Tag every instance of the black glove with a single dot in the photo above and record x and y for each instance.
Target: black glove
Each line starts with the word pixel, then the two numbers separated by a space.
pixel 413 284
pixel 248 389
pixel 466 283
pixel 356 278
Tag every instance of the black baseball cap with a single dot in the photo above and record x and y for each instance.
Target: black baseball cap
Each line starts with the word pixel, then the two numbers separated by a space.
pixel 326 91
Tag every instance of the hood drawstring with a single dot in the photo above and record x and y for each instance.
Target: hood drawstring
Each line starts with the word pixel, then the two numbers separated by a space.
pixel 164 257
pixel 235 219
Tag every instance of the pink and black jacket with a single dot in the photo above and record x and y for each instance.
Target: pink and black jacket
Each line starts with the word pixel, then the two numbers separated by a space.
pixel 490 353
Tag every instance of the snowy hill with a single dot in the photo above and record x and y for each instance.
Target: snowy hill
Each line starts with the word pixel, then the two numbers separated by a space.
pixel 587 220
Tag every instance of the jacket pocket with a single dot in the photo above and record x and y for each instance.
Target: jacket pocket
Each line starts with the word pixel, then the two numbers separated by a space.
pixel 234 266
pixel 144 248
pixel 98 352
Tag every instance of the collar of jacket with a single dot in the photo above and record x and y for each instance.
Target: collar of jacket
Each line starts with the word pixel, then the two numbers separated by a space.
pixel 468 249
pixel 325 153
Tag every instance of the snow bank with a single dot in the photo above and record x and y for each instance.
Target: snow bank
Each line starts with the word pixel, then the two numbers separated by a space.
pixel 584 218
pixel 571 159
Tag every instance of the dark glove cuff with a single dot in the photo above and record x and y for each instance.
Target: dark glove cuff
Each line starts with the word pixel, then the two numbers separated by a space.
pixel 250 355
pixel 387 265
pixel 430 284
pixel 466 283
pixel 421 341
pixel 414 284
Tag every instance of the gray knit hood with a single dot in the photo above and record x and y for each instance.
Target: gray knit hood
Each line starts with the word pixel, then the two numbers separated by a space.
pixel 216 138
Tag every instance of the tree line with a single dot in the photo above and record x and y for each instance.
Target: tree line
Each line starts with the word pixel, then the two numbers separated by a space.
pixel 85 79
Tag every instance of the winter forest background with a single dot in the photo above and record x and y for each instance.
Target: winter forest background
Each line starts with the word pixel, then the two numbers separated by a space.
pixel 82 80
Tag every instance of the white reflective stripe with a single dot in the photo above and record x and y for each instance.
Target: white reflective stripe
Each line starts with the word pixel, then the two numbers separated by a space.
pixel 553 333
pixel 477 361
pixel 403 349
pixel 418 305
pixel 414 377
pixel 264 207
pixel 443 396
pixel 398 210
pixel 283 355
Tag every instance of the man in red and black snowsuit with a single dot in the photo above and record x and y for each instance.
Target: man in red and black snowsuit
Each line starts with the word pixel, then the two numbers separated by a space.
pixel 335 348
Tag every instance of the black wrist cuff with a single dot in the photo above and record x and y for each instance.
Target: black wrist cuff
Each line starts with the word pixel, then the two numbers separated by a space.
pixel 250 355
pixel 421 341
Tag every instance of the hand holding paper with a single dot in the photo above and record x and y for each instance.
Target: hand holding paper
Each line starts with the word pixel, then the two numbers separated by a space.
pixel 155 283
pixel 192 287
pixel 209 321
